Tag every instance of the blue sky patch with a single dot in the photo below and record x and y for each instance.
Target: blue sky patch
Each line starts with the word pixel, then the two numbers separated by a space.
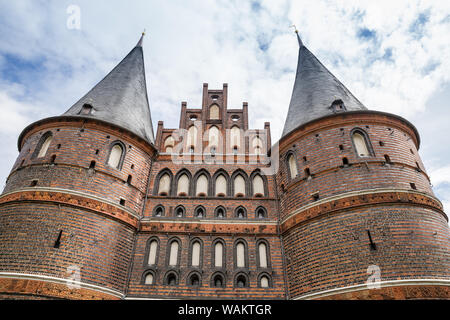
pixel 366 34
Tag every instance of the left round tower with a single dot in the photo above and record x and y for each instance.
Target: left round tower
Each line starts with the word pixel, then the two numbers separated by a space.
pixel 71 206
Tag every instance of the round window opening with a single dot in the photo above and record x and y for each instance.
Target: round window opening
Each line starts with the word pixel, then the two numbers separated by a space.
pixel 235 117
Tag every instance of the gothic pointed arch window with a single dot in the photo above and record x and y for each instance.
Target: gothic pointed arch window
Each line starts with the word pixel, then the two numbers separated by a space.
pixel 257 145
pixel 292 165
pixel 214 112
pixel 264 281
pixel 169 144
pixel 149 278
pixel 218 254
pixel 201 186
pixel 213 137
pixel 240 255
pixel 239 186
pixel 191 138
pixel 43 144
pixel 174 252
pixel 361 143
pixel 153 250
pixel 196 253
pixel 218 280
pixel 183 185
pixel 263 253
pixel 164 185
pixel 221 186
pixel 258 186
pixel 116 155
pixel 235 138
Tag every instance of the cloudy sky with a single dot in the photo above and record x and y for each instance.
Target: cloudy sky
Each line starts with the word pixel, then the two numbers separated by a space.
pixel 393 55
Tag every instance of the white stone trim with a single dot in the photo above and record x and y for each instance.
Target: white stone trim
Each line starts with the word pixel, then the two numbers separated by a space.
pixel 77 193
pixel 355 193
pixel 41 277
pixel 383 284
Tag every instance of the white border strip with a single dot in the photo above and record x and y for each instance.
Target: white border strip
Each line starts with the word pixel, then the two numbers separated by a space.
pixel 40 277
pixel 355 193
pixel 77 193
pixel 383 284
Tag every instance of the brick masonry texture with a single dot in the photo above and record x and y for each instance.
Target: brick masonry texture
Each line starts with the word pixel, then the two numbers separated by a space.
pixel 314 245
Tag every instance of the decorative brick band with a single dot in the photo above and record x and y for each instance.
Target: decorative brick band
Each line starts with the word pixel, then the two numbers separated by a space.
pixel 213 227
pixel 392 289
pixel 357 117
pixel 357 199
pixel 72 198
pixel 42 285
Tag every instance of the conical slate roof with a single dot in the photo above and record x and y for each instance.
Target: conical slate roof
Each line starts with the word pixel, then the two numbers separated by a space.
pixel 315 89
pixel 121 97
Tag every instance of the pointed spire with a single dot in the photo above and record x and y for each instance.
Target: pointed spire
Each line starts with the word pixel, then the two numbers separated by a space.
pixel 139 44
pixel 120 97
pixel 316 92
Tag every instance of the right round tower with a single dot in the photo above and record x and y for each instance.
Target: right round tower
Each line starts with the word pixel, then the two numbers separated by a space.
pixel 359 219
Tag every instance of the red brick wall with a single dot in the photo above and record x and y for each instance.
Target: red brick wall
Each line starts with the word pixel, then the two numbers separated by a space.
pixel 334 251
pixel 206 291
pixel 327 246
pixel 71 166
pixel 329 175
pixel 100 246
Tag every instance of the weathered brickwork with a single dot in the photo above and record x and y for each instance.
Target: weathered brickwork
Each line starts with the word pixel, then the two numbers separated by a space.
pixel 207 269
pixel 99 246
pixel 78 205
pixel 367 212
pixel 75 150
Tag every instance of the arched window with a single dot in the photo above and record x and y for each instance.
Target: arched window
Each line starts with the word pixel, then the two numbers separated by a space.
pixel 152 252
pixel 115 156
pixel 264 281
pixel 218 255
pixel 214 112
pixel 200 212
pixel 235 138
pixel 202 186
pixel 239 186
pixel 240 213
pixel 360 143
pixel 173 255
pixel 240 255
pixel 219 212
pixel 257 145
pixel 168 144
pixel 183 185
pixel 158 211
pixel 258 186
pixel 164 185
pixel 196 254
pixel 221 186
pixel 148 279
pixel 191 137
pixel 171 279
pixel 194 280
pixel 45 143
pixel 261 213
pixel 179 211
pixel 218 281
pixel 292 166
pixel 213 137
pixel 241 281
pixel 262 255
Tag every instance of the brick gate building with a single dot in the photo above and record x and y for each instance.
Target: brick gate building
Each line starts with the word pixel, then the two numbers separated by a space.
pixel 98 206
